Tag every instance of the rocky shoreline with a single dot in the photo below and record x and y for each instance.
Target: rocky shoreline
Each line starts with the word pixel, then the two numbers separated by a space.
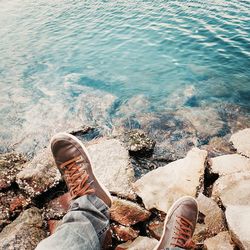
pixel 33 197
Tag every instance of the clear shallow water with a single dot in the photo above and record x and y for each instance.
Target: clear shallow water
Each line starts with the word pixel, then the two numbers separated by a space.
pixel 66 63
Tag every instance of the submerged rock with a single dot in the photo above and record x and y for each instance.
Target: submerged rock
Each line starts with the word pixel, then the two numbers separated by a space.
pixel 163 186
pixel 10 165
pixel 236 117
pixel 136 104
pixel 218 146
pixel 23 233
pixel 241 141
pixel 205 120
pixel 238 220
pixel 229 164
pixel 128 111
pixel 94 106
pixel 174 135
pixel 181 96
pixel 112 166
pixel 221 241
pixel 39 175
pixel 140 243
pixel 123 233
pixel 127 213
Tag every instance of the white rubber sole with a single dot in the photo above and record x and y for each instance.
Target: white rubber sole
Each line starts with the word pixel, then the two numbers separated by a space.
pixel 91 164
pixel 171 210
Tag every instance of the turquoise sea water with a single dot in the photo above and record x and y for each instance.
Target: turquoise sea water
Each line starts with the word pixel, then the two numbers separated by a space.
pixel 66 63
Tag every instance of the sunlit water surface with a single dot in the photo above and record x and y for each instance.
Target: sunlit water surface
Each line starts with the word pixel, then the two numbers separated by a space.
pixel 67 63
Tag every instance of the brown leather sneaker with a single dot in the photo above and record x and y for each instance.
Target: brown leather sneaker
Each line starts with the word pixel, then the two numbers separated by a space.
pixel 179 225
pixel 74 163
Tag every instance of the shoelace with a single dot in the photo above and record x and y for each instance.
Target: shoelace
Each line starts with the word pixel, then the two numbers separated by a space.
pixel 183 234
pixel 76 178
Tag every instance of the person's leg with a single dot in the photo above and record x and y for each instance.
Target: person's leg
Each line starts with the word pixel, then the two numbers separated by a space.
pixel 179 225
pixel 83 227
pixel 87 221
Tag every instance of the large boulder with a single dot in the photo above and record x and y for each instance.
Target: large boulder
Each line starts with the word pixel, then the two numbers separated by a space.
pixel 23 233
pixel 127 213
pixel 238 220
pixel 161 187
pixel 10 165
pixel 221 241
pixel 112 166
pixel 39 175
pixel 229 164
pixel 140 243
pixel 241 141
pixel 234 192
pixel 233 189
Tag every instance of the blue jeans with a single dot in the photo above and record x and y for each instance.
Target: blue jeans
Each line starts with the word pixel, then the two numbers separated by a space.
pixel 83 227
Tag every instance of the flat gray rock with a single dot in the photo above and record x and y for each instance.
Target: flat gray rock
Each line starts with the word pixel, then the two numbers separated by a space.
pixel 241 141
pixel 161 187
pixel 10 165
pixel 214 218
pixel 39 175
pixel 233 189
pixel 229 164
pixel 25 232
pixel 111 165
pixel 221 241
pixel 238 220
pixel 234 193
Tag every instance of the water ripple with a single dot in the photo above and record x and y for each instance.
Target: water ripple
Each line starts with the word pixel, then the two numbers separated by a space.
pixel 53 51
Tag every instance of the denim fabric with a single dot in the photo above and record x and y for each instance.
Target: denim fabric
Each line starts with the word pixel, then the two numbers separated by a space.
pixel 83 227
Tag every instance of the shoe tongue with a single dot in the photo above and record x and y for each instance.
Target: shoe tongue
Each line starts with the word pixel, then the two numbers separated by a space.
pixel 65 154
